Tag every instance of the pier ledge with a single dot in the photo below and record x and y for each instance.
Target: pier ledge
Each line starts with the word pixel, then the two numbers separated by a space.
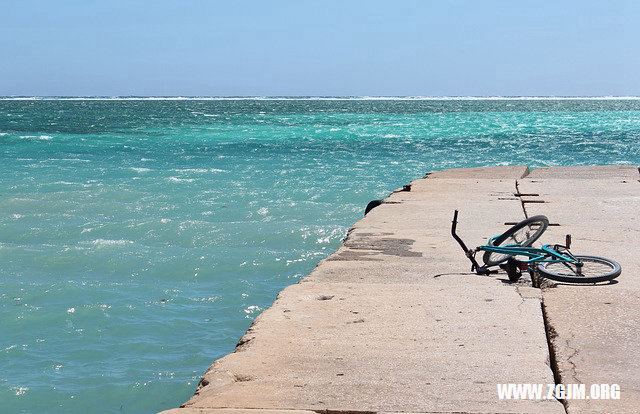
pixel 393 321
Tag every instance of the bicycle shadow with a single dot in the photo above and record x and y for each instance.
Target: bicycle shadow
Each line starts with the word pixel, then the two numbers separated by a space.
pixel 552 284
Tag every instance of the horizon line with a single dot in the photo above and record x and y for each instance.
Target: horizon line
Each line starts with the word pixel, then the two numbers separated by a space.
pixel 314 97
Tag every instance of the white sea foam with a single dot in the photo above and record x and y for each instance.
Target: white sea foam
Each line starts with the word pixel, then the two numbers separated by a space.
pixel 207 299
pixel 312 98
pixel 198 170
pixel 140 169
pixel 68 159
pixel 192 170
pixel 180 180
pixel 104 242
pixel 252 309
pixel 19 390
pixel 203 114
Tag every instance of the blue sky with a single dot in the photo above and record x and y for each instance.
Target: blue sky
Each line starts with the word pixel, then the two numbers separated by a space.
pixel 324 47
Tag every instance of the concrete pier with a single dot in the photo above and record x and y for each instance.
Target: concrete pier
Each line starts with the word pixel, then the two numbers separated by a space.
pixel 394 321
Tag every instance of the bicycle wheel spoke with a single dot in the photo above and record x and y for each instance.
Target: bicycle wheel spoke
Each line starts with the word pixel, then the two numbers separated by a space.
pixel 591 267
pixel 522 234
pixel 573 270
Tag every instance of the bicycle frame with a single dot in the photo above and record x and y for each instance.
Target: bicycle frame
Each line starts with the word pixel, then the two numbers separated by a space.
pixel 548 253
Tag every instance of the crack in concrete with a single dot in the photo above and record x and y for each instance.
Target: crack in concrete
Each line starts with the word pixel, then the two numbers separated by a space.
pixel 522 299
pixel 524 210
pixel 553 361
pixel 549 330
pixel 574 353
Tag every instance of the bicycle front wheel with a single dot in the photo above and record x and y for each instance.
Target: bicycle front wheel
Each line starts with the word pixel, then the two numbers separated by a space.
pixel 594 269
pixel 523 234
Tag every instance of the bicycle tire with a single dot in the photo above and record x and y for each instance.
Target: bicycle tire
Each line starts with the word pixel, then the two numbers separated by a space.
pixel 596 265
pixel 542 222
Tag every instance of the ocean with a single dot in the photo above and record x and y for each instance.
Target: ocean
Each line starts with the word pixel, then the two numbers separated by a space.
pixel 139 238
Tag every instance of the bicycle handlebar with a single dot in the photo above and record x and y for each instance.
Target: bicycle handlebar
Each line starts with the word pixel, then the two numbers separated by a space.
pixel 454 225
pixel 475 267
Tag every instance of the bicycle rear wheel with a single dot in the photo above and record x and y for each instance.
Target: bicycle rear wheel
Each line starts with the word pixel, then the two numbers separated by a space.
pixel 523 234
pixel 594 269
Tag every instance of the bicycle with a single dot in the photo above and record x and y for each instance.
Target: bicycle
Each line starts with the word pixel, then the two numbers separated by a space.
pixel 553 261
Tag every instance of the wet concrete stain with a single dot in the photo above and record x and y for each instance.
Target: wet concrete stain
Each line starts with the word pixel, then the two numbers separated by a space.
pixel 362 246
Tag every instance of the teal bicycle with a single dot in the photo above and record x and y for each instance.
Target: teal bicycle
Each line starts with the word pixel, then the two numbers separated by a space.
pixel 512 252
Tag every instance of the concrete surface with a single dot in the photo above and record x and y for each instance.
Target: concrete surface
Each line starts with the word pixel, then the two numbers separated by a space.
pixel 596 328
pixel 393 321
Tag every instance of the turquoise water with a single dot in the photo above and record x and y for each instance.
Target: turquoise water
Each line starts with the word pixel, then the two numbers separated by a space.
pixel 139 238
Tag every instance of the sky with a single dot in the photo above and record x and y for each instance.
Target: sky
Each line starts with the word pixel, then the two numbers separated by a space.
pixel 319 48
